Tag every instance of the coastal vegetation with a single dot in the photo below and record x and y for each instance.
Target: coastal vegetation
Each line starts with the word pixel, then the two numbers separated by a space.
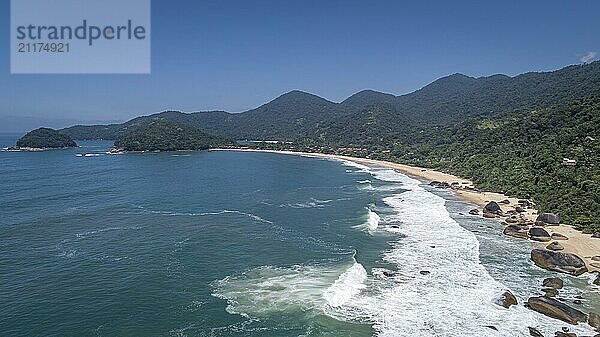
pixel 45 138
pixel 167 136
pixel 532 136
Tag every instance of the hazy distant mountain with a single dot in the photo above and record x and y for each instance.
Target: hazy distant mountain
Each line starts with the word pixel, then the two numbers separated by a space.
pixel 27 123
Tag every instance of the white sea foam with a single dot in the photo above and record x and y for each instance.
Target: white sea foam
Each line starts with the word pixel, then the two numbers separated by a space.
pixel 371 223
pixel 456 298
pixel 349 284
pixel 301 288
pixel 312 203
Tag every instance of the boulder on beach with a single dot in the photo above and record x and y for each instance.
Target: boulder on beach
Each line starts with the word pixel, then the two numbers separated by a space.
pixel 504 202
pixel 555 246
pixel 553 282
pixel 539 234
pixel 555 309
pixel 524 202
pixel 516 231
pixel 439 184
pixel 512 220
pixel 520 209
pixel 489 215
pixel 492 207
pixel 596 235
pixel 558 261
pixel 506 299
pixel 549 218
pixel 558 236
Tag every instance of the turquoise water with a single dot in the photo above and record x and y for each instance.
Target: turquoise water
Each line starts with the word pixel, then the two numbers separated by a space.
pixel 247 244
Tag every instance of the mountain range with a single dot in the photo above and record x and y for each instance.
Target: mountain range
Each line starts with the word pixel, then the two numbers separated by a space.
pixel 298 115
pixel 507 134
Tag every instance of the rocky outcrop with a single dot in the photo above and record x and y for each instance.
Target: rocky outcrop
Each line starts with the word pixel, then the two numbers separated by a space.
pixel 555 246
pixel 553 282
pixel 506 299
pixel 516 231
pixel 558 261
pixel 539 234
pixel 555 309
pixel 549 218
pixel 492 207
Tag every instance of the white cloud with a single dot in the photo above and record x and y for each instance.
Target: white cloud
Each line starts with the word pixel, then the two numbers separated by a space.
pixel 588 57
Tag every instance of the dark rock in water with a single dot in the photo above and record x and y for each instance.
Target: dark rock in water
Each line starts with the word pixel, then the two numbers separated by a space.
pixel 535 332
pixel 492 207
pixel 550 292
pixel 549 218
pixel 539 234
pixel 491 327
pixel 558 236
pixel 506 299
pixel 504 202
pixel 388 273
pixel 558 261
pixel 553 282
pixel 578 302
pixel 564 334
pixel 474 211
pixel 555 246
pixel 515 231
pixel 424 272
pixel 597 280
pixel 555 309
pixel 594 320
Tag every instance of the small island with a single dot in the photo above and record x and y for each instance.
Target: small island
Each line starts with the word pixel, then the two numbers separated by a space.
pixel 43 139
pixel 162 135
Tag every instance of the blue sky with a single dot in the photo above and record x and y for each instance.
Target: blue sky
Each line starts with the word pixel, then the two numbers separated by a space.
pixel 236 55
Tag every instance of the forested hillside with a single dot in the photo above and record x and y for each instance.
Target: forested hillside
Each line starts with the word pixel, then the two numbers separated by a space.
pixel 508 134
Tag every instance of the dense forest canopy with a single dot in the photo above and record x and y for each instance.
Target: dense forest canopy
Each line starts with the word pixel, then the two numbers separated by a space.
pixel 167 136
pixel 508 134
pixel 45 138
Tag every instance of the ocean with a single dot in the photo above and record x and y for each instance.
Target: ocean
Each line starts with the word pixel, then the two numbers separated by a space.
pixel 225 243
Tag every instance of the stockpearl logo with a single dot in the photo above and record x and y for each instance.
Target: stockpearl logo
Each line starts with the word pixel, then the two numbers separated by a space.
pixel 85 37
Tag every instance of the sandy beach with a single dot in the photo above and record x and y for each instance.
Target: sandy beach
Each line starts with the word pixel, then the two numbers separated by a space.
pixel 582 245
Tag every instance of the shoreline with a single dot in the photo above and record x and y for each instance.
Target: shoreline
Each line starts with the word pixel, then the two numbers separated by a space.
pixel 582 245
